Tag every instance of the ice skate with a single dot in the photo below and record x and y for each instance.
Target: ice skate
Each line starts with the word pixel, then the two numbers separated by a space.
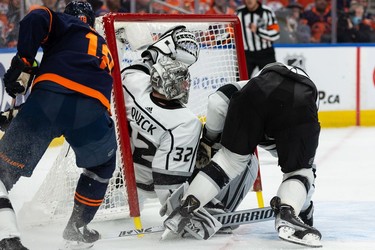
pixel 11 244
pixel 79 238
pixel 307 215
pixel 291 228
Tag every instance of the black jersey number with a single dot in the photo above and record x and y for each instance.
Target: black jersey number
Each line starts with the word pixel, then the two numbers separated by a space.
pixel 106 61
pixel 140 153
pixel 183 154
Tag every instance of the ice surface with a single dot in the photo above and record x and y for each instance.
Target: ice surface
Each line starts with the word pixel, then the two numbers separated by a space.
pixel 344 203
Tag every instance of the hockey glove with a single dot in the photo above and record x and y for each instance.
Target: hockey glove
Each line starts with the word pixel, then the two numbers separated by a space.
pixel 206 150
pixel 19 76
pixel 176 43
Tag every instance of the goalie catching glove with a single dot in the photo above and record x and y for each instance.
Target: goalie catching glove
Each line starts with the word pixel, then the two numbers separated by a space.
pixel 176 43
pixel 206 150
pixel 19 76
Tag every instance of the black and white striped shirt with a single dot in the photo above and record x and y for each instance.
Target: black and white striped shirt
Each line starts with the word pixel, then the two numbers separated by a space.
pixel 267 31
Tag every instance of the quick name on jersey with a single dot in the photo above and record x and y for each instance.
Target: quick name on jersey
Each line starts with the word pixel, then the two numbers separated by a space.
pixel 142 121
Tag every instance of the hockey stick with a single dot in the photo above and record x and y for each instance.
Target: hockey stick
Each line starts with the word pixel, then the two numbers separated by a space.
pixel 6 122
pixel 241 217
pixel 11 109
pixel 245 216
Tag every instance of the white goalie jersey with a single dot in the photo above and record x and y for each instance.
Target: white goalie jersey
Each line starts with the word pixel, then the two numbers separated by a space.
pixel 164 135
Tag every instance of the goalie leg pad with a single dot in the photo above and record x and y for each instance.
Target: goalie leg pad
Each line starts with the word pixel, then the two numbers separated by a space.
pixel 233 194
pixel 174 200
pixel 216 173
pixel 212 178
pixel 194 220
pixel 202 225
pixel 231 163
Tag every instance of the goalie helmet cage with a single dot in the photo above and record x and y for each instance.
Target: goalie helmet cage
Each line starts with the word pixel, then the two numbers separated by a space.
pixel 221 61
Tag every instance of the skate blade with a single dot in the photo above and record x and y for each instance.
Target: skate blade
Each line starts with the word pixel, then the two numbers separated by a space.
pixel 73 245
pixel 309 240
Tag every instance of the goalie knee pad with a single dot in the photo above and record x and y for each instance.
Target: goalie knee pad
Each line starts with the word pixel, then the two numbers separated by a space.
pixel 216 173
pixel 233 194
pixel 231 163
pixel 212 178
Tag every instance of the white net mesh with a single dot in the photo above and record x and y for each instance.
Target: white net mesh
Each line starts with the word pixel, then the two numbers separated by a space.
pixel 217 65
pixel 53 201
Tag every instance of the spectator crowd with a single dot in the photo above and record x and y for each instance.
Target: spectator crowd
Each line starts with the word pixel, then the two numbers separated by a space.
pixel 300 21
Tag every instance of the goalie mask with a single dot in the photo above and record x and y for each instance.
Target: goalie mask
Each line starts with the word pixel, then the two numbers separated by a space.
pixel 171 78
pixel 179 44
pixel 82 10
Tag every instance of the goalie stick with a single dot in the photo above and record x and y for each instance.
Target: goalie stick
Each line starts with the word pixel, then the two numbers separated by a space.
pixel 227 219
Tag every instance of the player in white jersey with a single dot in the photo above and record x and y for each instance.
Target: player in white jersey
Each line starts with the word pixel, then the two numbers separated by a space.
pixel 164 132
pixel 276 109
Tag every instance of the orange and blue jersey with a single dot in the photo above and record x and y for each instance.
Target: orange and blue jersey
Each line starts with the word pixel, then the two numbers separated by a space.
pixel 75 57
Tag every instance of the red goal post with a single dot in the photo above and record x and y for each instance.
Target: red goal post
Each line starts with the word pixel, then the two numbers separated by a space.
pixel 233 40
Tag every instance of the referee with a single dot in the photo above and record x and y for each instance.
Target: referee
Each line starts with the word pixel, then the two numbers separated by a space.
pixel 259 29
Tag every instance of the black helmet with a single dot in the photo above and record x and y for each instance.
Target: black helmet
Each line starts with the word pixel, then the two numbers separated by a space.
pixel 82 10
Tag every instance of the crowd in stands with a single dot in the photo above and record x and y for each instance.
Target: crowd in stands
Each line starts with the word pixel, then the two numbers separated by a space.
pixel 312 22
pixel 301 21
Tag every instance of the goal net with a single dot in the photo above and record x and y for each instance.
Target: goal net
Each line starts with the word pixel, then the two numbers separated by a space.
pixel 221 61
